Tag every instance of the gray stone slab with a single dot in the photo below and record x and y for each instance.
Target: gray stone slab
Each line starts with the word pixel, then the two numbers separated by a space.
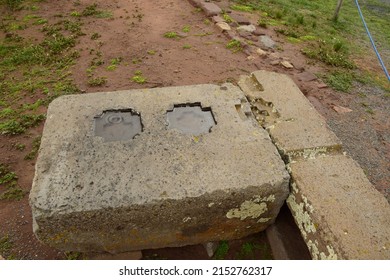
pixel 295 126
pixel 210 9
pixel 160 188
pixel 340 214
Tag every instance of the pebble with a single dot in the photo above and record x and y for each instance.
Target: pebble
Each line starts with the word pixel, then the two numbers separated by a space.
pixel 248 28
pixel 223 26
pixel 287 64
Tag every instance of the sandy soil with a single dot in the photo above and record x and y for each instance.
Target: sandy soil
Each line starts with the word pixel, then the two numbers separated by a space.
pixel 135 34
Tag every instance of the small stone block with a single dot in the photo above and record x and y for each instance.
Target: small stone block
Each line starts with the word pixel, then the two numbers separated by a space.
pixel 223 26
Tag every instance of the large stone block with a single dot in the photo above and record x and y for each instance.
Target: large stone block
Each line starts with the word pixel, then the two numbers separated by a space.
pixel 296 128
pixel 340 214
pixel 119 171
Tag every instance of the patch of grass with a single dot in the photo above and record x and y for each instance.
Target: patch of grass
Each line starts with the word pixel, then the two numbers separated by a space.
pixel 171 35
pixel 13 5
pixel 222 250
pixel 92 10
pixel 187 47
pixel 19 147
pixel 207 21
pixel 227 18
pixel 138 78
pixel 95 36
pixel 5 245
pixel 34 150
pixel 242 8
pixel 97 81
pixel 338 80
pixel 234 46
pixel 13 193
pixel 6 176
pixel 186 29
pixel 152 52
pixel 114 63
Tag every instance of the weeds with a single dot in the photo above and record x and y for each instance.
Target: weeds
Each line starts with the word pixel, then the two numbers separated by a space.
pixel 171 35
pixel 138 77
pixel 97 82
pixel 222 250
pixel 5 246
pixel 34 150
pixel 341 81
pixel 234 46
pixel 186 29
pixel 9 180
pixel 187 47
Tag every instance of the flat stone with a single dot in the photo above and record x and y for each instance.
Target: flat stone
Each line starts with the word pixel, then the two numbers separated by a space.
pixel 286 64
pixel 248 28
pixel 341 109
pixel 223 26
pixel 322 85
pixel 210 9
pixel 294 125
pixel 261 52
pixel 340 214
pixel 275 62
pixel 164 187
pixel 307 77
pixel 217 19
pixel 240 19
pixel 196 3
pixel 258 32
pixel 267 42
pixel 245 34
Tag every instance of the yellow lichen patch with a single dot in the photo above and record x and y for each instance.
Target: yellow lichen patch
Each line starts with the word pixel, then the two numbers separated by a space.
pixel 301 216
pixel 248 209
pixel 317 255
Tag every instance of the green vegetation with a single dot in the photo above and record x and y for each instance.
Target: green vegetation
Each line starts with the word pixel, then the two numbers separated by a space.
pixel 138 78
pixel 9 180
pixel 171 35
pixel 34 150
pixel 97 81
pixel 73 256
pixel 187 47
pixel 152 52
pixel 186 29
pixel 335 43
pixel 222 250
pixel 114 63
pixel 234 46
pixel 6 247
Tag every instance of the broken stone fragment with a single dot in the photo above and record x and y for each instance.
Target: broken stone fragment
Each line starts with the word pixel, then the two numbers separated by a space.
pixel 248 28
pixel 217 19
pixel 223 26
pixel 267 42
pixel 210 9
pixel 287 64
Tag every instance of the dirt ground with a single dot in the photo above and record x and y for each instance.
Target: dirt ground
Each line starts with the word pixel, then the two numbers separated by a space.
pixel 135 34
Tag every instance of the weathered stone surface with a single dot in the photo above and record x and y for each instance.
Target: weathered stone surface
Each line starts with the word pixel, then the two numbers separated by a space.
pixel 295 126
pixel 340 214
pixel 163 188
pixel 217 19
pixel 210 9
pixel 267 42
pixel 248 28
pixel 286 64
pixel 223 26
pixel 261 52
pixel 307 77
pixel 240 19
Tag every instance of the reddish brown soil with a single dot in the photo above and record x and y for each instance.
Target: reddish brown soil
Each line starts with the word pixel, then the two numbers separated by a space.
pixel 138 27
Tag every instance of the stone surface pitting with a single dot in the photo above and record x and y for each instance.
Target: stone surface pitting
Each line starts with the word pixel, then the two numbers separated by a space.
pixel 340 214
pixel 161 188
pixel 298 130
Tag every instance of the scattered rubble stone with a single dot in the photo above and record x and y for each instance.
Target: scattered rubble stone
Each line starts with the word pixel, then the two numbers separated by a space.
pixel 261 52
pixel 248 28
pixel 341 109
pixel 267 42
pixel 210 8
pixel 217 19
pixel 274 62
pixel 223 26
pixel 307 77
pixel 322 85
pixel 240 19
pixel 287 64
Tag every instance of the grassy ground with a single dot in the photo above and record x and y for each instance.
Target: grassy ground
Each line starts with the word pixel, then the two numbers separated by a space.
pixel 340 44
